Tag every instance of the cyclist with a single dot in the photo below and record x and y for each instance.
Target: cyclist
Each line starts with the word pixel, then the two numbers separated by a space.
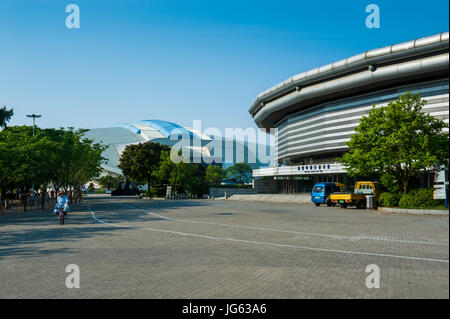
pixel 62 202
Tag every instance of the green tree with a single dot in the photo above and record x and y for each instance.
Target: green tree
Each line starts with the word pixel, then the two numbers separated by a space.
pixel 197 186
pixel 186 175
pixel 5 116
pixel 53 156
pixel 190 177
pixel 79 159
pixel 165 168
pixel 214 174
pixel 398 142
pixel 241 172
pixel 15 157
pixel 110 182
pixel 182 173
pixel 24 159
pixel 141 161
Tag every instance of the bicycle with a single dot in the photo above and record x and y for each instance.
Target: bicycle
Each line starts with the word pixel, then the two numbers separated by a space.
pixel 61 215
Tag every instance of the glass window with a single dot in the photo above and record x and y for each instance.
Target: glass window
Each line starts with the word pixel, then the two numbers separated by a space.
pixel 318 189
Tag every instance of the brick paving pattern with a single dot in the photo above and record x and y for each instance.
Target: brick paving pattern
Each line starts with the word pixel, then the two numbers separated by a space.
pixel 222 249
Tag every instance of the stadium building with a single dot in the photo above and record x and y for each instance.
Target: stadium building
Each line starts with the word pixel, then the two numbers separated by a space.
pixel 118 137
pixel 315 112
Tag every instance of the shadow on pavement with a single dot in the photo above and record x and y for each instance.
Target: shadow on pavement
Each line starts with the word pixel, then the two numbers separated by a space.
pixel 125 210
pixel 39 241
pixel 38 233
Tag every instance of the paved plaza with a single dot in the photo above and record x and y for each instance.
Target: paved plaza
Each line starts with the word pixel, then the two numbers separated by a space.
pixel 132 248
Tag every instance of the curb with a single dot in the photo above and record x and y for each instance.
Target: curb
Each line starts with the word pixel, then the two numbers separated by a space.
pixel 267 199
pixel 414 211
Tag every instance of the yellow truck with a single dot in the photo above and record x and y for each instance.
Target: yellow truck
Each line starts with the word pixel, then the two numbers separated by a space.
pixel 358 197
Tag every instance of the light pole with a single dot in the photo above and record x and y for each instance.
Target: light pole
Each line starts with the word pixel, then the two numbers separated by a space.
pixel 34 116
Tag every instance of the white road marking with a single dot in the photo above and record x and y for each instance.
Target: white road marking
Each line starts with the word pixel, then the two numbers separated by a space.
pixel 267 243
pixel 350 238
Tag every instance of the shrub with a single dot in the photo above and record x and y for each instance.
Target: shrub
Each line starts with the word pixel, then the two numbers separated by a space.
pixel 110 182
pixel 197 186
pixel 91 188
pixel 160 191
pixel 390 199
pixel 419 198
pixel 156 192
pixel 214 174
pixel 390 184
pixel 100 191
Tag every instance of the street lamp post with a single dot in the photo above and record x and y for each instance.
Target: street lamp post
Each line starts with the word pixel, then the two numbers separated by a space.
pixel 34 116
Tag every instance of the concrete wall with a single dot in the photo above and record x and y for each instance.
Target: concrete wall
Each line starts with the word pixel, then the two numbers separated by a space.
pixel 273 198
pixel 220 192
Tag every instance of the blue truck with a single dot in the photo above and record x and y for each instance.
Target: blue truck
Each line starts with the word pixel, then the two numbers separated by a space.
pixel 321 192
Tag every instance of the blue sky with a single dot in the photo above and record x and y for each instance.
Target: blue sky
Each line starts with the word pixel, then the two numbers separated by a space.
pixel 181 60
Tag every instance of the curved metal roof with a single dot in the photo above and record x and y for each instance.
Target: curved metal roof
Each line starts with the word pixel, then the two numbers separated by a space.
pixel 407 59
pixel 118 136
pixel 165 127
pixel 129 127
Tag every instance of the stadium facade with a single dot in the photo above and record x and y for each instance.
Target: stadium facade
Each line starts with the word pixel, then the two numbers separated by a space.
pixel 315 112
pixel 200 145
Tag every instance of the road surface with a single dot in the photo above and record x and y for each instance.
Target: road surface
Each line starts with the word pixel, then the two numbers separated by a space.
pixel 131 248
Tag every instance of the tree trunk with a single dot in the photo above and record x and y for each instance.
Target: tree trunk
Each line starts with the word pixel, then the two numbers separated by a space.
pixel 43 194
pixel 2 198
pixel 80 194
pixel 405 186
pixel 149 185
pixel 24 199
